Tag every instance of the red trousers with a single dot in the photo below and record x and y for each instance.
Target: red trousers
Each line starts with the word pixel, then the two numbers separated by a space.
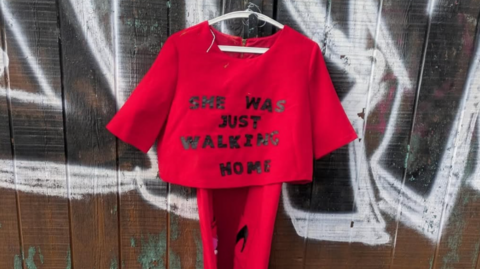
pixel 237 225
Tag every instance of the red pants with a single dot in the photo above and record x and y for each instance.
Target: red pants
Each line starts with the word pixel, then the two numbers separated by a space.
pixel 241 221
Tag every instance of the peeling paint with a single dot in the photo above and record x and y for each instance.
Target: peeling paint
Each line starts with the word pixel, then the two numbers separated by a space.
pixel 199 247
pixel 114 210
pixel 174 260
pixel 40 255
pixel 454 240
pixel 174 227
pixel 29 261
pixel 69 260
pixel 132 242
pixel 113 263
pixel 17 262
pixel 406 157
pixel 153 251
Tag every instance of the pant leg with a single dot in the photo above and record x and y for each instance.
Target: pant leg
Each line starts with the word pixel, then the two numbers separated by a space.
pixel 252 251
pixel 242 220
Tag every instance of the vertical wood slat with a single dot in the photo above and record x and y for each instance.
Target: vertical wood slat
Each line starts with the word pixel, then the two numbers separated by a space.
pixel 9 226
pixel 424 175
pixel 142 28
pixel 474 84
pixel 406 25
pixel 87 64
pixel 37 130
pixel 452 51
pixel 342 183
pixel 185 243
pixel 400 40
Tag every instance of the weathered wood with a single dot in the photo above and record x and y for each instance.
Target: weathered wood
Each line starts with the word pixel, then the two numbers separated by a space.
pixel 142 28
pixel 374 204
pixel 37 132
pixel 9 228
pixel 429 159
pixel 88 67
pixel 450 56
pixel 400 40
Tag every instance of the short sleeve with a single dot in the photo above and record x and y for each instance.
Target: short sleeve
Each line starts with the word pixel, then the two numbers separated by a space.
pixel 139 121
pixel 330 125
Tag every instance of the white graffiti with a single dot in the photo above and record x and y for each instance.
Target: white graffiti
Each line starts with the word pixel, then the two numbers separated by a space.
pixel 375 189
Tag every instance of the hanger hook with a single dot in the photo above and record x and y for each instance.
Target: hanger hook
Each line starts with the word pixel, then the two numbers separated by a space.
pixel 249 8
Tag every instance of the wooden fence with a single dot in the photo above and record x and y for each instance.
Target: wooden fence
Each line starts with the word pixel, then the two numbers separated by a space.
pixel 404 195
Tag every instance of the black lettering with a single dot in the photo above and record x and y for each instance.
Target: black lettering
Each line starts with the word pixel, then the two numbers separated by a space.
pixel 208 101
pixel 193 100
pixel 234 141
pixel 266 164
pixel 226 169
pixel 280 107
pixel 220 102
pixel 224 123
pixel 220 142
pixel 261 140
pixel 254 101
pixel 208 142
pixel 254 166
pixel 243 120
pixel 255 119
pixel 274 141
pixel 230 123
pixel 267 105
pixel 238 168
pixel 189 141
pixel 249 139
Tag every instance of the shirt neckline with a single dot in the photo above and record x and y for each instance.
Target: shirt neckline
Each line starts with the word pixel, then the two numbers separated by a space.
pixel 217 51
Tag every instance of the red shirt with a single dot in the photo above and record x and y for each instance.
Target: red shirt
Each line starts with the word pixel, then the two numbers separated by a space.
pixel 223 119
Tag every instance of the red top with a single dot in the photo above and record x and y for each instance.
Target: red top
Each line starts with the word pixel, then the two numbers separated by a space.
pixel 223 119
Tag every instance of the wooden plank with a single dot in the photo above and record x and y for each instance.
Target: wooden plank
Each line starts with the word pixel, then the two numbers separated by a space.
pixel 185 243
pixel 430 182
pixel 401 37
pixel 452 62
pixel 88 81
pixel 37 130
pixel 9 228
pixel 142 27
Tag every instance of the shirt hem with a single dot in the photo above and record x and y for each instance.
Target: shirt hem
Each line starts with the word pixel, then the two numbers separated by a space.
pixel 216 185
